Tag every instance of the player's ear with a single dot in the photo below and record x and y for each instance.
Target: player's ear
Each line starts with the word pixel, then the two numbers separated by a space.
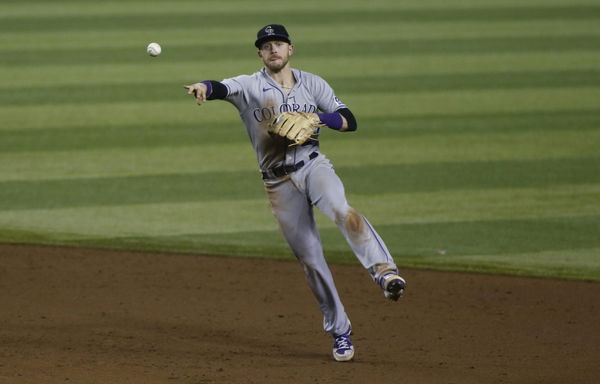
pixel 291 49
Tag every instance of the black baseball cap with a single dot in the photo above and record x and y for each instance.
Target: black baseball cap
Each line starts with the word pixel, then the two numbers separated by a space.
pixel 272 32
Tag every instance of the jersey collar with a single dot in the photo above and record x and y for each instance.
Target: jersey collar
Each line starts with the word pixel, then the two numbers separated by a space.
pixel 295 72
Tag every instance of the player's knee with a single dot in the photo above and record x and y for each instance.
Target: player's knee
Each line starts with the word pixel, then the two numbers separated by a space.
pixel 355 222
pixel 351 220
pixel 340 212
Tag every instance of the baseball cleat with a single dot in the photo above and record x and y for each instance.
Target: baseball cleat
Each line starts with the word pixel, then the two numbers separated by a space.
pixel 343 350
pixel 393 286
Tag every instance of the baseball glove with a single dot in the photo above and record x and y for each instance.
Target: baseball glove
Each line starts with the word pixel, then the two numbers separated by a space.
pixel 295 126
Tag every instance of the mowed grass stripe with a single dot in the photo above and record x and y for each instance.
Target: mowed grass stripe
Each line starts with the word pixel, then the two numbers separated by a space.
pixel 481 237
pixel 496 236
pixel 72 94
pixel 364 180
pixel 157 71
pixel 574 263
pixel 344 49
pixel 473 101
pixel 485 80
pixel 427 177
pixel 303 35
pixel 477 123
pixel 149 135
pixel 475 205
pixel 432 246
pixel 466 147
pixel 484 245
pixel 384 149
pixel 16 8
pixel 183 110
pixel 211 217
pixel 125 162
pixel 412 245
pixel 291 16
pixel 225 216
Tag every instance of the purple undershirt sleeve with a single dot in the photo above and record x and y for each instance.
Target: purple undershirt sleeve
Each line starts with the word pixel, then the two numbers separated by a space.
pixel 332 120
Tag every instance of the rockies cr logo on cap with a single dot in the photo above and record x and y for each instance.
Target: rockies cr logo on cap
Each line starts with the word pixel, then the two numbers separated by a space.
pixel 269 30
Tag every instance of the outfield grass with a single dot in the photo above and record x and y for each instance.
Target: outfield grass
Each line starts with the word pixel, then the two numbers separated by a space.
pixel 477 149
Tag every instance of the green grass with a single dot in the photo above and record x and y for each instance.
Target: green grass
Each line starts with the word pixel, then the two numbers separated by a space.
pixel 175 19
pixel 477 148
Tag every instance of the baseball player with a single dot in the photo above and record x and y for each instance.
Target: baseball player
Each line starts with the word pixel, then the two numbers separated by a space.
pixel 283 110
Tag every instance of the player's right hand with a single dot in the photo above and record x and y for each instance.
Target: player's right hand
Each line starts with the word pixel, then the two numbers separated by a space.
pixel 198 90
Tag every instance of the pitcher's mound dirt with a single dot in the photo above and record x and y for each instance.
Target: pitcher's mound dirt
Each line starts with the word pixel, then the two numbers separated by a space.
pixel 89 316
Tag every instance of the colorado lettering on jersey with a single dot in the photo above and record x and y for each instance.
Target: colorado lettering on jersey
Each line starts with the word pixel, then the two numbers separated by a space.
pixel 268 113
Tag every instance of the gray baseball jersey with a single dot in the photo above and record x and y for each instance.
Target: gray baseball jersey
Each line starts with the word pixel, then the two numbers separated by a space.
pixel 259 98
pixel 292 197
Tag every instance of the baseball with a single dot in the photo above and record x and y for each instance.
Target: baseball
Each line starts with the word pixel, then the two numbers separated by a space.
pixel 154 49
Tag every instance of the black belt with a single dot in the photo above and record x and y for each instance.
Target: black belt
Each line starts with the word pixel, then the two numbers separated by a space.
pixel 283 170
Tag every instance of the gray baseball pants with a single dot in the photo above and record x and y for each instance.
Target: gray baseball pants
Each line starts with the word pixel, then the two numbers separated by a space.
pixel 292 198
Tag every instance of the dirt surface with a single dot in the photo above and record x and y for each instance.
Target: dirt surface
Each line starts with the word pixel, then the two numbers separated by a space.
pixel 89 316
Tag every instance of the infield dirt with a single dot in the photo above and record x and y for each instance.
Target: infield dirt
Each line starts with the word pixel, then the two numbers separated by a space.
pixel 94 316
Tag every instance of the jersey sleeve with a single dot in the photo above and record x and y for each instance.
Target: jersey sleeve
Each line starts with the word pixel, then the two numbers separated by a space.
pixel 236 91
pixel 324 96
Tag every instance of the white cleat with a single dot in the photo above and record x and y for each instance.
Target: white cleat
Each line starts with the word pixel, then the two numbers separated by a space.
pixel 393 286
pixel 343 350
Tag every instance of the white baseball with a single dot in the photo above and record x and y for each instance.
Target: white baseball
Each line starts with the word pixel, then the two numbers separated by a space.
pixel 154 49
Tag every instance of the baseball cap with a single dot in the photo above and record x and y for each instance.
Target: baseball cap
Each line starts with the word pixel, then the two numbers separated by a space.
pixel 272 32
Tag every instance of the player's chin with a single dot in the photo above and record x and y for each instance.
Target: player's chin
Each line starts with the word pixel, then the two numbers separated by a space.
pixel 276 65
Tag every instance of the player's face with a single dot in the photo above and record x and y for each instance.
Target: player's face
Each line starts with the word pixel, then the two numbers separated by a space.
pixel 275 54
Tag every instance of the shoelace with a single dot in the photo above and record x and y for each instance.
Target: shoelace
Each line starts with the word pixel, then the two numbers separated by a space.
pixel 342 342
